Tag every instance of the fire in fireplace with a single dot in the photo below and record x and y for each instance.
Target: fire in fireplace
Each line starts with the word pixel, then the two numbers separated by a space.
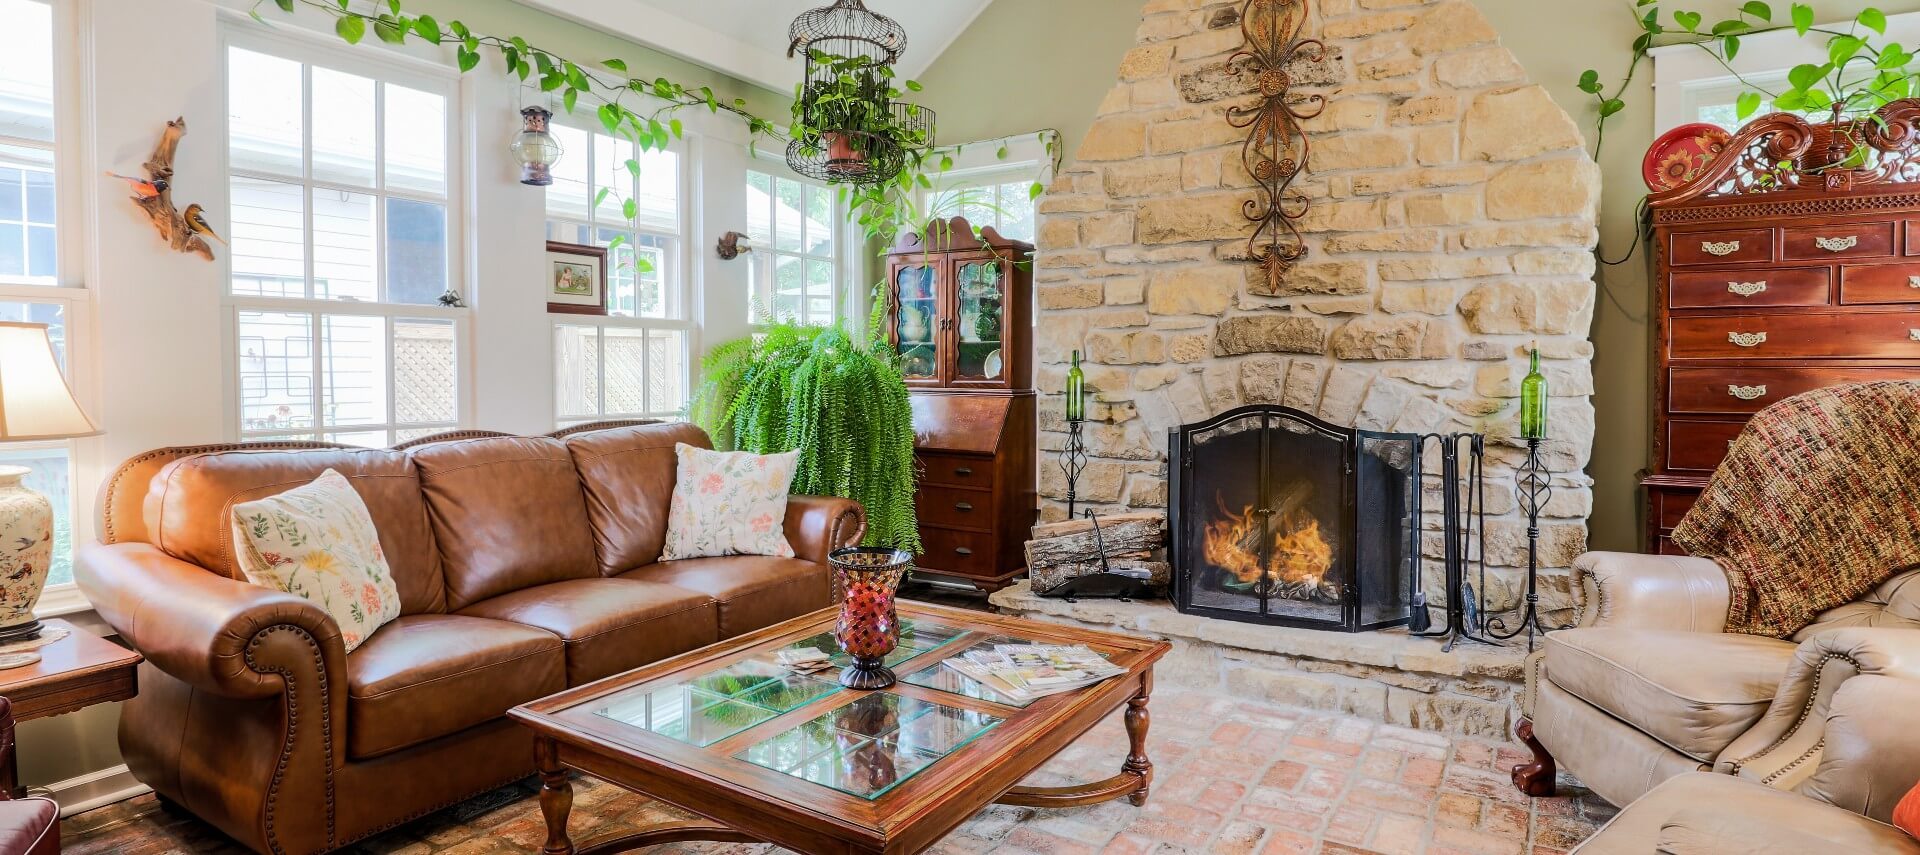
pixel 1279 517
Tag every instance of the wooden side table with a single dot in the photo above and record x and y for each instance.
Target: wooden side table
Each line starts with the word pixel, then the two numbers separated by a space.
pixel 75 672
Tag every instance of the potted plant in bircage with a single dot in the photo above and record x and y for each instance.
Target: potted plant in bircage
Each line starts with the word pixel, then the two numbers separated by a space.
pixel 847 110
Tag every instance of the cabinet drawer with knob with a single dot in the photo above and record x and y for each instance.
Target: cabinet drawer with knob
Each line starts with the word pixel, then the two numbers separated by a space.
pixel 1792 286
pixel 1862 334
pixel 954 508
pixel 1880 283
pixel 964 553
pixel 1735 246
pixel 955 470
pixel 1840 240
pixel 1749 390
pixel 1699 446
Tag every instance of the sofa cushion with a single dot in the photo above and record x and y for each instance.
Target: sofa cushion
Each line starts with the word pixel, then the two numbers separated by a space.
pixel 1694 691
pixel 1895 604
pixel 628 476
pixel 507 512
pixel 425 676
pixel 1670 817
pixel 752 590
pixel 317 543
pixel 610 625
pixel 190 510
pixel 30 827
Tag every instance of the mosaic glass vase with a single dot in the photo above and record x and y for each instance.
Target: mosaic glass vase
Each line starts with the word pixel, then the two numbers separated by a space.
pixel 869 628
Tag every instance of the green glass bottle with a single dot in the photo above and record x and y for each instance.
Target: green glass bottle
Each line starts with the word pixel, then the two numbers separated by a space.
pixel 1533 402
pixel 1076 391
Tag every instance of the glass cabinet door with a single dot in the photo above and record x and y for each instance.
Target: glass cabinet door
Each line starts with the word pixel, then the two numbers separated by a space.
pixel 916 321
pixel 980 286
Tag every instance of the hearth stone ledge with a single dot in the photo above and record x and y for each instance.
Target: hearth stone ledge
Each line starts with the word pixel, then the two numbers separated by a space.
pixel 1388 676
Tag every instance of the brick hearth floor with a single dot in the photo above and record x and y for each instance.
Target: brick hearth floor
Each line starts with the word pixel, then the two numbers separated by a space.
pixel 1230 777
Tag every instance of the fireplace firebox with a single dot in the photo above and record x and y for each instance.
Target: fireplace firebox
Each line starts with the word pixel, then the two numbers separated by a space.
pixel 1281 518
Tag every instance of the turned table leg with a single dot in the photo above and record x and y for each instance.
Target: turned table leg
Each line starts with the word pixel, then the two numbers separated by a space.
pixel 1535 778
pixel 1138 719
pixel 556 796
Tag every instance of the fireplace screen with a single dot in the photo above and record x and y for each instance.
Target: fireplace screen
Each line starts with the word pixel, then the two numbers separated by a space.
pixel 1279 517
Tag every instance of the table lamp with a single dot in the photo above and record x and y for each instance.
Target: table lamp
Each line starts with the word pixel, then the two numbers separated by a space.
pixel 35 404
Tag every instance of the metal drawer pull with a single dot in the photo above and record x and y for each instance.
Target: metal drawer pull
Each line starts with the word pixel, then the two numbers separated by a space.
pixel 961 550
pixel 1728 247
pixel 1837 244
pixel 1746 339
pixel 963 470
pixel 963 506
pixel 1747 393
pixel 1748 289
pixel 1913 334
pixel 1913 282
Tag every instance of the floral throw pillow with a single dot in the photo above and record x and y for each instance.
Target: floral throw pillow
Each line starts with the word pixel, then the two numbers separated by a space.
pixel 317 542
pixel 729 503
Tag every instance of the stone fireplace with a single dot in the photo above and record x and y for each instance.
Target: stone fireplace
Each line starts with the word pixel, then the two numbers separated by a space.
pixel 1451 225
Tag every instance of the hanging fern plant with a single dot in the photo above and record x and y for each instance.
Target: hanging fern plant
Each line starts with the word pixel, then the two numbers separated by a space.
pixel 843 405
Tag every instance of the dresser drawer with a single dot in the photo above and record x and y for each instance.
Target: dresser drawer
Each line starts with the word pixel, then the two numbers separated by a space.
pixel 1723 247
pixel 1699 445
pixel 1782 336
pixel 962 553
pixel 1792 286
pixel 956 470
pixel 1841 240
pixel 1673 507
pixel 1748 390
pixel 1880 283
pixel 949 507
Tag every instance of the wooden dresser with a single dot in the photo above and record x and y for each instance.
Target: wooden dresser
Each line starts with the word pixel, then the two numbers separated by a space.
pixel 960 315
pixel 1769 283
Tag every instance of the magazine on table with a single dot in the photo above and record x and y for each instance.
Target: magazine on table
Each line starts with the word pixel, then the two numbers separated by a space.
pixel 1025 672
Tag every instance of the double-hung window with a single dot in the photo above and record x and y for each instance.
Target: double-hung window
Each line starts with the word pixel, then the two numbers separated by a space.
pixel 796 231
pixel 634 362
pixel 342 204
pixel 1003 201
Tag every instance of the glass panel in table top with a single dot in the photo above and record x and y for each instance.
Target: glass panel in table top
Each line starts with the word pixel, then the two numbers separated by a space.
pixel 939 677
pixel 705 709
pixel 871 745
pixel 916 323
pixel 916 637
pixel 982 320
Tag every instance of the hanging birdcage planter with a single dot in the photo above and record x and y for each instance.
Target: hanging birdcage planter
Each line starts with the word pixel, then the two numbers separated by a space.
pixel 849 126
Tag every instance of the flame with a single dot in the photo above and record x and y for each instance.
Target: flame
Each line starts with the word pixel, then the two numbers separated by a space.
pixel 1300 553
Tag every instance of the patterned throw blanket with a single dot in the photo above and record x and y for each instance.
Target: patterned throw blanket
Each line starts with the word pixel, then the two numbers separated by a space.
pixel 1817 502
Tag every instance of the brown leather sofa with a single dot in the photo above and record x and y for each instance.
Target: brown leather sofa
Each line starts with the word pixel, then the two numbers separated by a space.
pixel 525 565
pixel 1871 758
pixel 1649 687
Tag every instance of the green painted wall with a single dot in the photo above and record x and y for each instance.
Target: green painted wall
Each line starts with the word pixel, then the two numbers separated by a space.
pixel 1057 58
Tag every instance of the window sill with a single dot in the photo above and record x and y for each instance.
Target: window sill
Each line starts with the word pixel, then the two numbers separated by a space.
pixel 66 601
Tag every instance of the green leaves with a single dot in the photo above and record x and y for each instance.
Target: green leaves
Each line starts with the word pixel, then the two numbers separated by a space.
pixel 610 116
pixel 1611 106
pixel 427 28
pixel 351 28
pixel 1757 9
pixel 1802 18
pixel 1843 48
pixel 1747 104
pixel 616 65
pixel 1873 19
pixel 285 5
pixel 1036 191
pixel 1807 76
pixel 466 59
pixel 1689 21
pixel 1589 82
pixel 391 30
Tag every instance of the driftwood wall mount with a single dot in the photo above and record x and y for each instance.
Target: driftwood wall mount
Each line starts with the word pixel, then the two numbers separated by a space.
pixel 186 232
pixel 1276 149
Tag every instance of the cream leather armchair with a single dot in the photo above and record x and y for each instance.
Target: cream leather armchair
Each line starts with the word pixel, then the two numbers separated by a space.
pixel 1870 759
pixel 1649 687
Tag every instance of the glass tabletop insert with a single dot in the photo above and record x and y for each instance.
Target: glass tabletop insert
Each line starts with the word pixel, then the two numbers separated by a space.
pixel 871 745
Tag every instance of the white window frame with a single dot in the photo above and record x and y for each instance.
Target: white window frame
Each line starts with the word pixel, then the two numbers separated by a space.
pixel 1686 77
pixel 675 283
pixel 311 51
pixel 843 258
pixel 62 32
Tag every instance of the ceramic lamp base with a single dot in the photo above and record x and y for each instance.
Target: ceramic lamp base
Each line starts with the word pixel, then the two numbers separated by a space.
pixel 867 673
pixel 20 632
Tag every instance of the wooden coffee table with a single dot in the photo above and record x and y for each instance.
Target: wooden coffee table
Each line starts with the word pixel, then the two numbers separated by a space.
pixel 768 756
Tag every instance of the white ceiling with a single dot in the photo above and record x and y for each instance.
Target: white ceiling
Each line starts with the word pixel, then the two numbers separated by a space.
pixel 748 38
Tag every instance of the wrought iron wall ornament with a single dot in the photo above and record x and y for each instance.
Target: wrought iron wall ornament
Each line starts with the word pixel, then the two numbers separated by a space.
pixel 1276 149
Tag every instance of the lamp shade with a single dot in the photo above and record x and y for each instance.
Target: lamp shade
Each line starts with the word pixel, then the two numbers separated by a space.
pixel 35 402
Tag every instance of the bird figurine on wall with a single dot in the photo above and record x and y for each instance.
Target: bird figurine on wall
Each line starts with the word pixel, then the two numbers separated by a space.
pixel 141 187
pixel 196 220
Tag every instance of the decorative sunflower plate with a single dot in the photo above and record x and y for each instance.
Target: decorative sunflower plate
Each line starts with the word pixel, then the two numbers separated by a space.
pixel 1681 155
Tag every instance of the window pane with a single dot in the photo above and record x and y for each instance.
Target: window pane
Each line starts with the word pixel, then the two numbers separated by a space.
pixel 269 244
pixel 568 232
pixel 13 249
pixel 666 371
pixel 1016 211
pixel 819 221
pixel 50 476
pixel 342 127
pixel 354 374
pixel 568 196
pixel 364 439
pixel 622 287
pixel 659 191
pixel 26 70
pixel 610 158
pixel 416 252
pixel 426 372
pixel 276 370
pixel 626 370
pixel 51 314
pixel 40 197
pixel 759 208
pixel 40 251
pixel 653 297
pixel 788 204
pixel 343 246
pixel 416 140
pixel 264 112
pixel 576 365
pixel 789 288
pixel 819 292
pixel 13 195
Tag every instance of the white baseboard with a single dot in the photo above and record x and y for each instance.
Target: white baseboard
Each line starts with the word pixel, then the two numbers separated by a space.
pixel 94 789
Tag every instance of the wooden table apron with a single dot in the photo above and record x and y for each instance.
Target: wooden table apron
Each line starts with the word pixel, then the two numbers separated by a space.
pixel 747 803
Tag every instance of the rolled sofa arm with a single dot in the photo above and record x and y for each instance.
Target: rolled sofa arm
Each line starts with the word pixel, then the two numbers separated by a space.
pixel 1619 589
pixel 1872 755
pixel 204 629
pixel 818 525
pixel 1783 749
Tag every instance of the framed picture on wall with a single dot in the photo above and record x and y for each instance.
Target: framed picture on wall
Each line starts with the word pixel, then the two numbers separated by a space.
pixel 576 279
